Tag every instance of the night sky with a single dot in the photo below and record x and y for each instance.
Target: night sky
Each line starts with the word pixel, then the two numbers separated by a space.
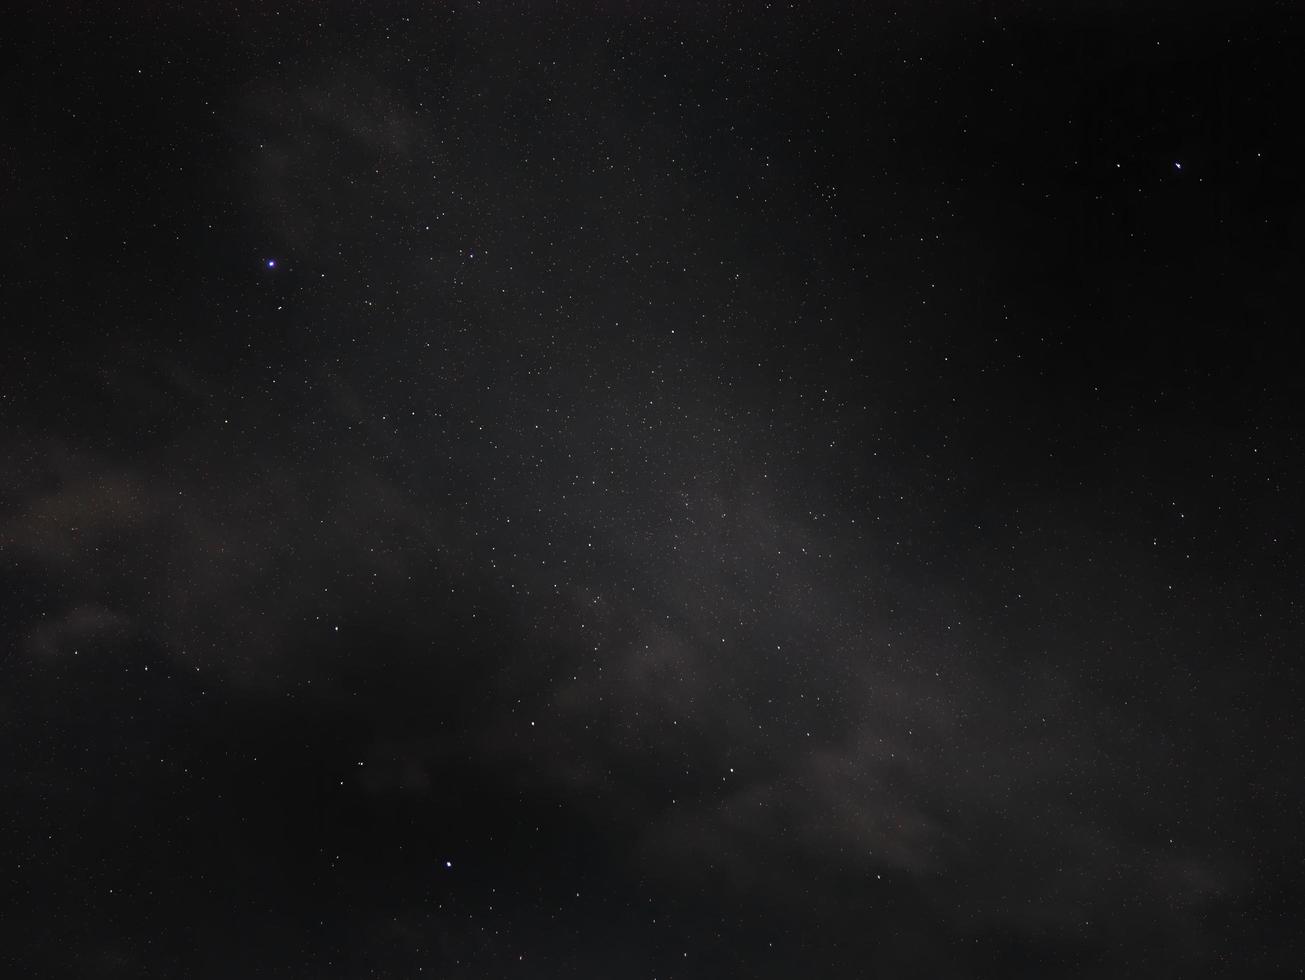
pixel 651 490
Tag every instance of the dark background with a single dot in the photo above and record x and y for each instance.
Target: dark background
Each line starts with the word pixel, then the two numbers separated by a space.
pixel 650 490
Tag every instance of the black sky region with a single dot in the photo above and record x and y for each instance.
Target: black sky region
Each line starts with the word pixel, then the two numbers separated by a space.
pixel 650 490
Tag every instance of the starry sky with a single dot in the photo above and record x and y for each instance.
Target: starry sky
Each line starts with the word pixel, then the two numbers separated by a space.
pixel 650 490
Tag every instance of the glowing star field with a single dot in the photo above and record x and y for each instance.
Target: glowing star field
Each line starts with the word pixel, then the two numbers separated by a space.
pixel 651 491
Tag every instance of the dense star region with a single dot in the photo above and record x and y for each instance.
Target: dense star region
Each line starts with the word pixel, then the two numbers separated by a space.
pixel 653 491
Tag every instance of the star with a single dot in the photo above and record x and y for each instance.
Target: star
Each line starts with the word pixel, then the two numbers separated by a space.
pixel 271 263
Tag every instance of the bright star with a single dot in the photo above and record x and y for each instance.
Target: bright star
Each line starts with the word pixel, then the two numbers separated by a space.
pixel 271 263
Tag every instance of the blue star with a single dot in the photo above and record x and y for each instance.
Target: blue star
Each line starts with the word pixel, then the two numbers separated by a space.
pixel 271 263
